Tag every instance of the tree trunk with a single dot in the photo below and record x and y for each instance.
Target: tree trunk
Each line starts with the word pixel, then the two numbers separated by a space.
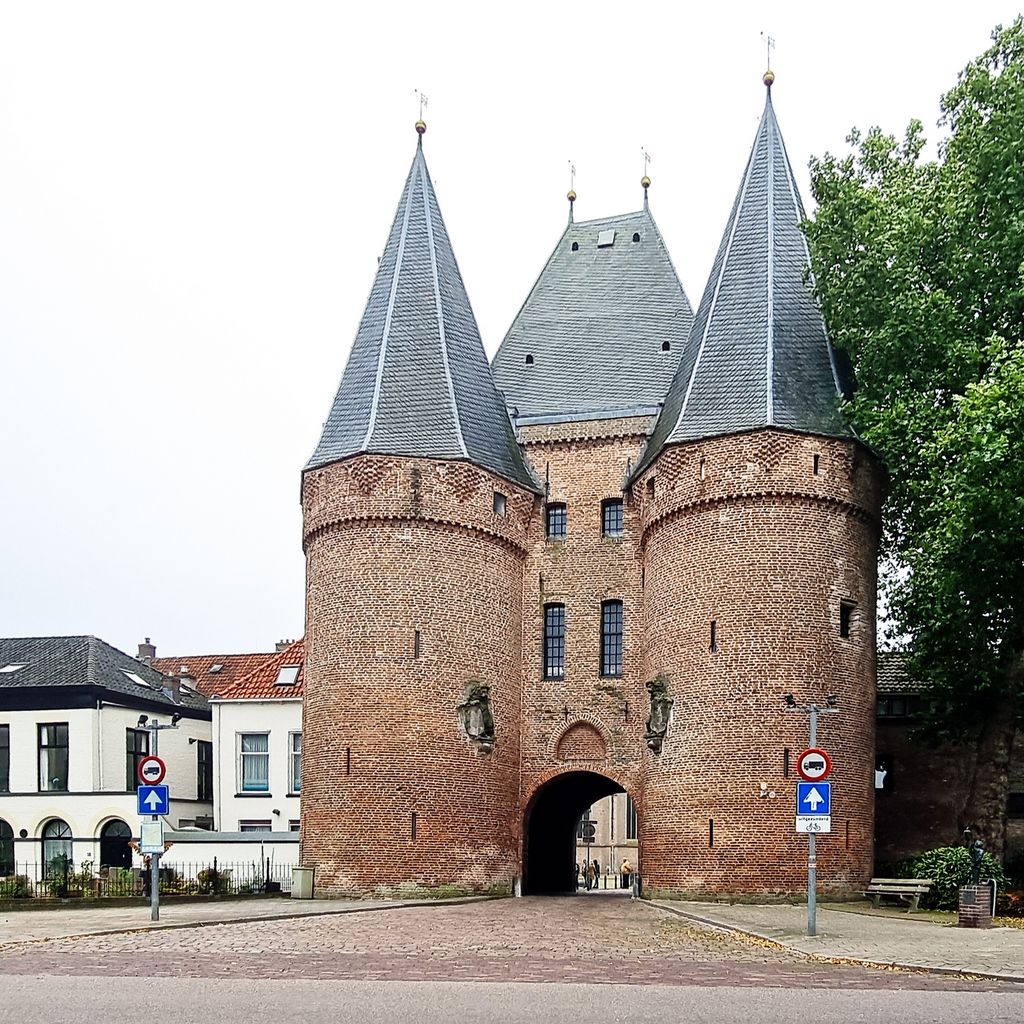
pixel 985 807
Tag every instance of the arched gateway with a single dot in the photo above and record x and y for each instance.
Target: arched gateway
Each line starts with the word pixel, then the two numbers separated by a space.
pixel 549 829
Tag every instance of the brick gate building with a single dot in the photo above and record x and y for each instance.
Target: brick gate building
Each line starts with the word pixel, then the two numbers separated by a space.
pixel 593 567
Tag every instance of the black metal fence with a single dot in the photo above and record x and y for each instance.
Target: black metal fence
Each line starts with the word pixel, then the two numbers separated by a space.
pixel 60 879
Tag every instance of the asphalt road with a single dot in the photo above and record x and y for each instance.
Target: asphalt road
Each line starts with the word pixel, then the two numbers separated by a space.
pixel 41 1000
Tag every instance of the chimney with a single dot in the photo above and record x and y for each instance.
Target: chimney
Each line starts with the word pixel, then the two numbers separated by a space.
pixel 147 652
pixel 282 645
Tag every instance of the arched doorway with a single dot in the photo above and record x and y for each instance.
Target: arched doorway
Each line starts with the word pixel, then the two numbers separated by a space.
pixel 114 849
pixel 549 829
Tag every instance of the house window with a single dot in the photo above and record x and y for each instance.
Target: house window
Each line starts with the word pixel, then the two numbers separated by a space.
pixel 204 770
pixel 295 761
pixel 137 747
pixel 893 707
pixel 293 825
pixel 56 846
pixel 249 825
pixel 500 503
pixel 554 641
pixel 53 757
pixel 255 767
pixel 611 517
pixel 5 759
pixel 611 638
pixel 6 848
pixel 555 521
pixel 630 818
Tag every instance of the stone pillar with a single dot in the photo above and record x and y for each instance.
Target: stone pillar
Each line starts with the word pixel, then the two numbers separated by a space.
pixel 976 906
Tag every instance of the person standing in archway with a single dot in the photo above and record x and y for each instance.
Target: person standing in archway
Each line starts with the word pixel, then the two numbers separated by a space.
pixel 625 871
pixel 597 874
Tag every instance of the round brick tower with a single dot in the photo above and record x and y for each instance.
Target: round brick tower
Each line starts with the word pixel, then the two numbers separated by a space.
pixel 416 508
pixel 759 518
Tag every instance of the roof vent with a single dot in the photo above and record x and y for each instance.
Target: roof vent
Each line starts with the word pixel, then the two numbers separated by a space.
pixel 214 669
pixel 575 246
pixel 666 346
pixel 636 236
pixel 606 238
pixel 529 360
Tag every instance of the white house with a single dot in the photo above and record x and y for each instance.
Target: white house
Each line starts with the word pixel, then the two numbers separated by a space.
pixel 76 716
pixel 257 746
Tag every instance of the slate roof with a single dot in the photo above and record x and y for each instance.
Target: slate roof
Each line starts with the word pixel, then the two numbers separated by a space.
pixel 417 381
pixel 262 683
pixel 758 354
pixel 87 661
pixel 200 667
pixel 594 324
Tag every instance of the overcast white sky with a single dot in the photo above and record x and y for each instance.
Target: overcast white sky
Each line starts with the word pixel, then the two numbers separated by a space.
pixel 193 197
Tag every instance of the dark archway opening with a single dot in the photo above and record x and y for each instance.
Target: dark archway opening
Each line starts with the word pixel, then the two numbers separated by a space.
pixel 114 849
pixel 549 854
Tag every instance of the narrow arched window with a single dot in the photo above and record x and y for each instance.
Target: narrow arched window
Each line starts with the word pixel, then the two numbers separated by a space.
pixel 56 846
pixel 556 524
pixel 554 641
pixel 611 638
pixel 6 848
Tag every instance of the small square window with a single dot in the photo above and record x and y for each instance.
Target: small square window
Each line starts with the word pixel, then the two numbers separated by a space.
pixel 500 503
pixel 287 675
pixel 555 521
pixel 612 517
pixel 249 825
pixel 606 238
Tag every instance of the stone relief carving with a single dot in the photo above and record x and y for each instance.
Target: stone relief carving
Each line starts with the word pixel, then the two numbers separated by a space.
pixel 475 715
pixel 661 710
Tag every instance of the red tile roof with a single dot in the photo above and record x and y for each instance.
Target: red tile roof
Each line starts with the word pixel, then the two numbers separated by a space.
pixel 262 683
pixel 232 668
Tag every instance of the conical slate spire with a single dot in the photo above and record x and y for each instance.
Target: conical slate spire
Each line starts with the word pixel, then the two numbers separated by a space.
pixel 758 354
pixel 417 381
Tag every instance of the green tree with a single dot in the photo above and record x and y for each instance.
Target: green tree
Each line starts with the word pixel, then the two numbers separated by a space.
pixel 919 267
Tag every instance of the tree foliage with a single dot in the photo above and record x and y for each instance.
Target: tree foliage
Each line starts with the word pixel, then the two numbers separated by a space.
pixel 919 268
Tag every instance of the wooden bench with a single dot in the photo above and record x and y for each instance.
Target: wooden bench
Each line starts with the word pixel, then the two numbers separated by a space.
pixel 908 889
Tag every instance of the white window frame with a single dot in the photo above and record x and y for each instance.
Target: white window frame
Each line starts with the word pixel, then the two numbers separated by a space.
pixel 242 755
pixel 294 769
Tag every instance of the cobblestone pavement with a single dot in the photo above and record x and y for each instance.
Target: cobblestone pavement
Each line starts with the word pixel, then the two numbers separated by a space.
pixel 904 940
pixel 605 940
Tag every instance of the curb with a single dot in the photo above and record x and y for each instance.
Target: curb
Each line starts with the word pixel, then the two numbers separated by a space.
pixel 822 958
pixel 251 919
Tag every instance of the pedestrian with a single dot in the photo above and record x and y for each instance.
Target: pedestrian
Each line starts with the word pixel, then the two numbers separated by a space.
pixel 625 871
pixel 597 873
pixel 590 876
pixel 577 874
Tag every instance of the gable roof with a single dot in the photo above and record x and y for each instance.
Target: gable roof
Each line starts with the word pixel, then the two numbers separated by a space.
pixel 201 668
pixel 53 662
pixel 758 355
pixel 417 381
pixel 594 325
pixel 263 682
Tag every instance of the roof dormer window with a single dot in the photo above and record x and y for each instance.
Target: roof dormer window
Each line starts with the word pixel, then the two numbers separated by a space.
pixel 606 238
pixel 575 247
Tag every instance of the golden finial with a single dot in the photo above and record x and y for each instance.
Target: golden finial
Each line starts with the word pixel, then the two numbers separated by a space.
pixel 421 125
pixel 571 195
pixel 769 75
pixel 645 182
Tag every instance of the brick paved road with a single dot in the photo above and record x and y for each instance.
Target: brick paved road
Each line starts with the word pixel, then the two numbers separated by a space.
pixel 599 939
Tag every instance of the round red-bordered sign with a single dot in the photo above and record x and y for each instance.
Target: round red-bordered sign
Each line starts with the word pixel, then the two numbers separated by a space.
pixel 152 770
pixel 813 765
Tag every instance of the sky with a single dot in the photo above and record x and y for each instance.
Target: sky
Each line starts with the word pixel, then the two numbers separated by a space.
pixel 193 197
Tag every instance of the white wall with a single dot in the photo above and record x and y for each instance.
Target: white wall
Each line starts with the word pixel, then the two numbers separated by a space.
pixel 278 718
pixel 97 776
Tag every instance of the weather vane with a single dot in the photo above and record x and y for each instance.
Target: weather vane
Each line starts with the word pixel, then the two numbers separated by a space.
pixel 769 42
pixel 647 160
pixel 423 102
pixel 572 176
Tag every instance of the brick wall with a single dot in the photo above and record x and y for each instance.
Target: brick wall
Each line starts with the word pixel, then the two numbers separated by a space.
pixel 394 546
pixel 742 532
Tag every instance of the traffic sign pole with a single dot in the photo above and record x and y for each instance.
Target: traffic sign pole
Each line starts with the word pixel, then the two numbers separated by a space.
pixel 812 850
pixel 154 858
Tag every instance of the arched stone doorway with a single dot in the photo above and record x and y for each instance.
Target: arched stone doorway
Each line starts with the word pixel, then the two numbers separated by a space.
pixel 549 829
pixel 114 849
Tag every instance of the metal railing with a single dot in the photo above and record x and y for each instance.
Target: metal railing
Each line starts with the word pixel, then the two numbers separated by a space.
pixel 60 879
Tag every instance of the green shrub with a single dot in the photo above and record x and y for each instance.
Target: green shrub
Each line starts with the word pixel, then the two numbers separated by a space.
pixel 15 887
pixel 949 867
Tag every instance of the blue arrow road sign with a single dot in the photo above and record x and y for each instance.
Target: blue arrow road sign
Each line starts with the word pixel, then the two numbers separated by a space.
pixel 812 798
pixel 154 800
